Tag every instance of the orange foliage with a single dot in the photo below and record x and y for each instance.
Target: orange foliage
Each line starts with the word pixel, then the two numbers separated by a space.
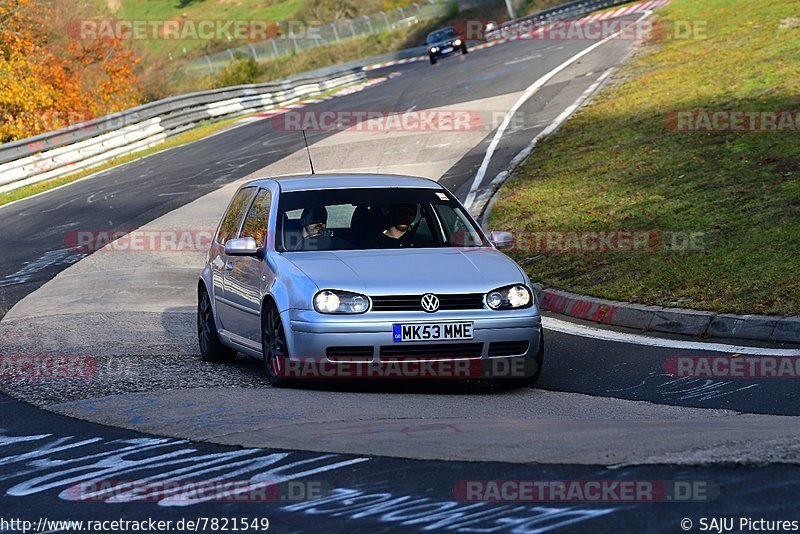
pixel 48 81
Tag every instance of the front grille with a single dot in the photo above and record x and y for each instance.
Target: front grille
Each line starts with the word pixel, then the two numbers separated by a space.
pixel 445 351
pixel 508 348
pixel 459 301
pixel 349 354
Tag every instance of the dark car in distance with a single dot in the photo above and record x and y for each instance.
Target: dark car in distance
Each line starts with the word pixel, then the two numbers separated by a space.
pixel 445 42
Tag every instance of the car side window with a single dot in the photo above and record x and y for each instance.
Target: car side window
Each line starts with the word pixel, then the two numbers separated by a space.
pixel 232 218
pixel 257 220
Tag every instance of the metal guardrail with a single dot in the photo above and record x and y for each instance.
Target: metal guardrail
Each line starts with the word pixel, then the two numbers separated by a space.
pixel 570 10
pixel 90 143
pixel 331 33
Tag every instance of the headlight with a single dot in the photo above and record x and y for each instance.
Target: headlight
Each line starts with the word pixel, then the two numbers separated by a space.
pixel 333 301
pixel 457 42
pixel 434 50
pixel 509 297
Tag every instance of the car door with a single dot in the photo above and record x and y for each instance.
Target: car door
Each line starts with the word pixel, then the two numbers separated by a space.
pixel 246 275
pixel 228 229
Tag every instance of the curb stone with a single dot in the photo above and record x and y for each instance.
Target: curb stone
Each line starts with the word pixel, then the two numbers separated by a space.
pixel 669 320
pixel 788 329
pixel 743 326
pixel 680 321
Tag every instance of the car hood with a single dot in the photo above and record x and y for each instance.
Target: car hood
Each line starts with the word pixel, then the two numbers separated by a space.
pixel 445 42
pixel 409 271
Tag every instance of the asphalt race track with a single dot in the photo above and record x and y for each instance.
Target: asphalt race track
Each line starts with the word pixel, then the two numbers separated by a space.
pixel 368 457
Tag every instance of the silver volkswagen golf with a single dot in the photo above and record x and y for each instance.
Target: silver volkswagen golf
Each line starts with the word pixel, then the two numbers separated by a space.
pixel 367 269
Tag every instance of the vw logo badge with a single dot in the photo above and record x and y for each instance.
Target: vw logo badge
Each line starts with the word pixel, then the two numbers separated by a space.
pixel 430 302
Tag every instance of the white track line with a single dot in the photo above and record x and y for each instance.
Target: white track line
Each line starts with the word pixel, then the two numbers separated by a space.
pixel 556 123
pixel 557 325
pixel 527 94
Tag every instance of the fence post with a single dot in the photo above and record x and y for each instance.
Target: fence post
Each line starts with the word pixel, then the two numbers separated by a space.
pixel 335 33
pixel 369 23
pixel 255 54
pixel 388 28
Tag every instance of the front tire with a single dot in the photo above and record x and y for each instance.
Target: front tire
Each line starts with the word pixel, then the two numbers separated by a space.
pixel 464 50
pixel 211 348
pixel 433 60
pixel 274 347
pixel 528 381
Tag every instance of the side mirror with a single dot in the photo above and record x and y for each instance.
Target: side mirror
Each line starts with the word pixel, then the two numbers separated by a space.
pixel 242 246
pixel 502 240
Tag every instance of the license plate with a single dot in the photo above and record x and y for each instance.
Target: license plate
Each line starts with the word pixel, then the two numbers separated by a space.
pixel 447 50
pixel 431 331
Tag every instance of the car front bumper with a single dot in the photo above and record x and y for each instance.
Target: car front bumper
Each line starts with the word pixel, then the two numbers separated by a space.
pixel 440 54
pixel 516 332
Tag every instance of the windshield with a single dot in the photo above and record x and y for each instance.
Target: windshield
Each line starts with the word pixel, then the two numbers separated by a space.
pixel 441 35
pixel 373 218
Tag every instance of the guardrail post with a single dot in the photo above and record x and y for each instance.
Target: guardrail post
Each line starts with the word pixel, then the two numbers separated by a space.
pixel 510 9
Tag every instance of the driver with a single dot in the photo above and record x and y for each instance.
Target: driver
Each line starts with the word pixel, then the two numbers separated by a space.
pixel 314 221
pixel 400 218
pixel 314 234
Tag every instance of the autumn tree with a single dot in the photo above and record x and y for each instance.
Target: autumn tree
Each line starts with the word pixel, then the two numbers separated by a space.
pixel 50 79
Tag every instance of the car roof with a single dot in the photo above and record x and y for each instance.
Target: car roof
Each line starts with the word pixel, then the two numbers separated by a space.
pixel 308 182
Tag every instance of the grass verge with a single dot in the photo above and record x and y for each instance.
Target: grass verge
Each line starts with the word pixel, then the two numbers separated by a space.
pixel 618 165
